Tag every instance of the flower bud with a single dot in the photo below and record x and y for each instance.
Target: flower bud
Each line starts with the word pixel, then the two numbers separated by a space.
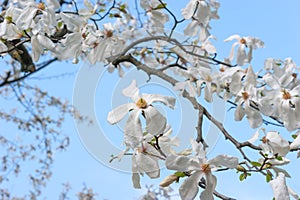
pixel 240 168
pixel 169 180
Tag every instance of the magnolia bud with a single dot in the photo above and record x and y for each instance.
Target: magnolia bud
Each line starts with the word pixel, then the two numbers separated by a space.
pixel 240 168
pixel 169 180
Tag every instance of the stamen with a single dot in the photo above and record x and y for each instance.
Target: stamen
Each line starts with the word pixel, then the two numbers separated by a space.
pixel 141 103
pixel 286 95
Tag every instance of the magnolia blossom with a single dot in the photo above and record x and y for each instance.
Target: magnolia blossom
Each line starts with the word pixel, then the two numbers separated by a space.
pixel 246 97
pixel 145 158
pixel 201 17
pixel 144 162
pixel 157 17
pixel 283 73
pixel 283 95
pixel 198 166
pixel 155 121
pixel 192 85
pixel 196 78
pixel 243 42
pixel 275 144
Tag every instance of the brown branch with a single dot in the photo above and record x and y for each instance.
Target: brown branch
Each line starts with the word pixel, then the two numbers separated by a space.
pixel 14 46
pixel 44 65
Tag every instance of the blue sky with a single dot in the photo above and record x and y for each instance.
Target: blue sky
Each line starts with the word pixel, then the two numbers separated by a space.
pixel 276 23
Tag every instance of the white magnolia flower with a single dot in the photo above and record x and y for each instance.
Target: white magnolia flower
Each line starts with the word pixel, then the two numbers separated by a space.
pixel 242 57
pixel 155 121
pixel 70 47
pixel 274 144
pixel 286 106
pixel 281 73
pixel 8 28
pixel 157 17
pixel 145 158
pixel 202 12
pixel 196 78
pixel 191 85
pixel 198 166
pixel 224 77
pixel 283 96
pixel 246 97
pixel 143 161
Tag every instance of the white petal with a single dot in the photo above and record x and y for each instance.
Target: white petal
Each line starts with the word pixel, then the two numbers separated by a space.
pixel 182 163
pixel 224 160
pixel 45 42
pixel 293 194
pixel 155 121
pixel 233 37
pixel 197 147
pixel 239 113
pixel 208 93
pixel 296 143
pixel 133 134
pixel 148 165
pixel 236 82
pixel 271 81
pixel 152 98
pixel 135 174
pixel 144 4
pixel 37 49
pixel 279 170
pixel 119 113
pixel 189 188
pixel 25 18
pixel 210 48
pixel 278 144
pixel 191 29
pixel 231 55
pixel 250 78
pixel 53 4
pixel 279 188
pixel 241 55
pixel 189 10
pixel 254 137
pixel 191 88
pixel 211 182
pixel 131 91
pixel 254 117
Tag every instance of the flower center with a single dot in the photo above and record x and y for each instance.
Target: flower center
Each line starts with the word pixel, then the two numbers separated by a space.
pixel 193 79
pixel 243 41
pixel 41 6
pixel 205 168
pixel 264 140
pixel 141 103
pixel 208 78
pixel 285 94
pixel 245 95
pixel 222 69
pixel 109 33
